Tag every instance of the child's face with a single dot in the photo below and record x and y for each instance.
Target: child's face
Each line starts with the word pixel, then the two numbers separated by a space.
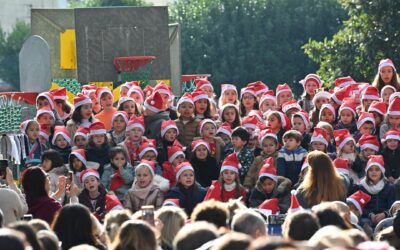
pixel 229 115
pixel 80 141
pixel 124 91
pixel 274 122
pixel 319 146
pixel 366 103
pixel 96 105
pixel 269 146
pixel 43 102
pixel 229 176
pixel 248 100
pixel 201 152
pixel 320 101
pixel 366 128
pixel 201 106
pixel 187 178
pixel 374 174
pixel 42 140
pixel 98 140
pixel 149 156
pixel 208 90
pixel 327 116
pixel 224 137
pixel 119 160
pixel 392 144
pixel 170 135
pixel 310 87
pixel 106 101
pixel 230 96
pixel 86 111
pixel 237 142
pixel 394 121
pixel 77 164
pixel 298 124
pixel 349 148
pixel 166 100
pixel 45 119
pixel 129 107
pixel 137 97
pixel 33 131
pixel 377 117
pixel 61 142
pixel 186 109
pixel 119 124
pixel 208 130
pixel 291 112
pixel 354 209
pixel 178 160
pixel 143 177
pixel 267 105
pixel 291 143
pixel 386 94
pixel 268 185
pixel 284 97
pixel 135 134
pixel 47 165
pixel 346 116
pixel 368 152
pixel 386 74
pixel 92 184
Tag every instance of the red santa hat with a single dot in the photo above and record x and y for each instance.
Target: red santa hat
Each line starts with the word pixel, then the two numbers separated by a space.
pixel 137 90
pixel 186 98
pixel 125 99
pixel 329 107
pixel 44 110
pixel 268 95
pixel 197 143
pixel 268 170
pixel 168 124
pixel 181 168
pixel 349 104
pixel 312 77
pixel 376 160
pixel 203 82
pixel 342 136
pixel 49 98
pixel 391 134
pixel 370 93
pixel 378 107
pixel 81 99
pixel 112 203
pixel 80 154
pixel 365 117
pixel 97 128
pixel 82 131
pixel 59 94
pixel 342 82
pixel 321 94
pixel 148 90
pixel 204 122
pixel 283 88
pixel 87 173
pixel 386 63
pixel 258 114
pixel 88 89
pixel 174 151
pixel 163 88
pixel 146 164
pixel 154 102
pixel 102 90
pixel 61 130
pixel 259 87
pixel 394 96
pixel 225 87
pixel 304 116
pixel 147 145
pixel 231 162
pixel 123 114
pixel 387 87
pixel 394 107
pixel 359 199
pixel 368 141
pixel 24 125
pixel 135 122
pixel 171 202
pixel 249 90
pixel 342 165
pixel 250 122
pixel 43 132
pixel 225 128
pixel 339 95
pixel 294 203
pixel 292 104
pixel 320 135
pixel 266 133
pixel 198 95
pixel 225 106
pixel 271 205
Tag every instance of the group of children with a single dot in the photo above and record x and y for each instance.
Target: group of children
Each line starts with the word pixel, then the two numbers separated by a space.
pixel 251 143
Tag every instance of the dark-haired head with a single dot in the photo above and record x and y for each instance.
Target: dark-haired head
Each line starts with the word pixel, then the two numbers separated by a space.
pixel 77 116
pixel 29 232
pixel 53 156
pixel 114 151
pixel 35 183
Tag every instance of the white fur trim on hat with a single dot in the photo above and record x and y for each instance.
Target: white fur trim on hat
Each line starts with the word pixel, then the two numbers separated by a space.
pixel 169 127
pixel 269 135
pixel 267 97
pixel 370 146
pixel 346 140
pixel 250 125
pixel 90 173
pixel 386 64
pixel 151 108
pixel 370 97
pixel 80 157
pixel 45 136
pixel 361 122
pixel 388 87
pixel 231 168
pixel 273 177
pixel 135 125
pixel 375 110
pixel 319 138
pixel 224 131
pixel 201 143
pixel 145 165
pixel 355 203
pixel 393 137
pixel 181 170
pixel 83 102
pixel 98 132
pixel 393 112
pixel 66 137
pixel 382 168
pixel 45 95
pixel 102 91
pixel 175 155
pixel 321 94
pixel 116 114
pixel 347 108
pixel 204 122
pixel 199 97
pixel 143 152
pixel 80 134
pixel 163 91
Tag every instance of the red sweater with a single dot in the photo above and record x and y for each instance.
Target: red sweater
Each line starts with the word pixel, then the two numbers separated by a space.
pixel 217 193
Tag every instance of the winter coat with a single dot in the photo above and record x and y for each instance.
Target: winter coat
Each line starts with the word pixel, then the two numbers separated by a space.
pixel 118 183
pixel 115 139
pixel 306 104
pixel 64 152
pixel 305 143
pixel 99 155
pixel 392 162
pixel 281 191
pixel 33 153
pixel 13 204
pixel 188 198
pixel 43 208
pixel 352 127
pixel 99 209
pixel 152 124
pixel 205 170
pixel 155 197
pixel 252 175
pixel 289 163
pixel 246 158
pixel 380 202
pixel 187 131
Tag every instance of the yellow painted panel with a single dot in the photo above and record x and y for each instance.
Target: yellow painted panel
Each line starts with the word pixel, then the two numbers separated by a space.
pixel 109 85
pixel 67 49
pixel 116 92
pixel 167 81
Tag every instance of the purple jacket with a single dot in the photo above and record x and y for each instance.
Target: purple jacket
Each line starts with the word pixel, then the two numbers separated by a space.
pixel 43 208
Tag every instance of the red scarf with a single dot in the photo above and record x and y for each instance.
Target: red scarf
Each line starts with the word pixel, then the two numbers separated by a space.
pixel 133 150
pixel 116 181
pixel 169 173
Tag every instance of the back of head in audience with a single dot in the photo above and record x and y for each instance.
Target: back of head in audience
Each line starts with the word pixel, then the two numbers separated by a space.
pixel 250 223
pixel 39 224
pixel 329 216
pixel 113 220
pixel 48 239
pixel 194 235
pixel 272 244
pixel 135 234
pixel 29 232
pixel 211 211
pixel 173 219
pixel 300 225
pixel 329 237
pixel 232 241
pixel 11 239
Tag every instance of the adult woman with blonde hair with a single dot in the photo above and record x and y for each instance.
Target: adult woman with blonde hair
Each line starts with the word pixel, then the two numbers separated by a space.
pixel 135 235
pixel 173 219
pixel 322 182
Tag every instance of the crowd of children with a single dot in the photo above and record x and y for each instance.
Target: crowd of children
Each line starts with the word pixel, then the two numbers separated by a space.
pixel 250 144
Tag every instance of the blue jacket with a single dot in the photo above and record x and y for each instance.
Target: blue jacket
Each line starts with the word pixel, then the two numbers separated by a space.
pixel 290 162
pixel 127 174
pixel 187 202
pixel 380 202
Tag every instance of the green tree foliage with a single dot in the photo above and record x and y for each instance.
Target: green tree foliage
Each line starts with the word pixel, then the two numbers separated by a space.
pixel 243 41
pixel 10 45
pixel 370 34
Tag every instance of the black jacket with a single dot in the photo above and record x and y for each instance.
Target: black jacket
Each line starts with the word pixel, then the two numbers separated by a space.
pixel 206 170
pixel 392 162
